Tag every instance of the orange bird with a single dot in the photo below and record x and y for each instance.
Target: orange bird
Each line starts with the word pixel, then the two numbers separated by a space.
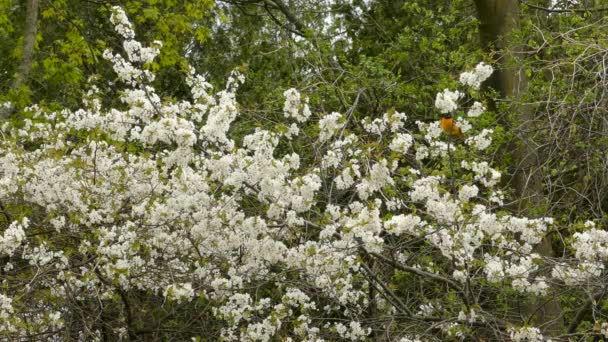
pixel 450 126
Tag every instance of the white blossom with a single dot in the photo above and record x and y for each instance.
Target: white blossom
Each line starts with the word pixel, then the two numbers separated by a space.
pixel 526 334
pixel 591 245
pixel 476 110
pixel 121 22
pixel 180 292
pixel 482 140
pixel 574 275
pixel 467 192
pixel 13 237
pixel 328 125
pixel 604 329
pixel 379 176
pixel 294 107
pixel 375 126
pixel 401 143
pixel 400 224
pixel 447 101
pixel 474 79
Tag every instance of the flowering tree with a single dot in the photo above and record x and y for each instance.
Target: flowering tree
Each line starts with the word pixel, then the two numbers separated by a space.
pixel 151 220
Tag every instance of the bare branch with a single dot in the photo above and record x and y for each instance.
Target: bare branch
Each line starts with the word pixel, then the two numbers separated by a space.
pixel 573 10
pixel 419 272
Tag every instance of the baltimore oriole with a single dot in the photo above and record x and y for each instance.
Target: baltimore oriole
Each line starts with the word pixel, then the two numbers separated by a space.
pixel 450 126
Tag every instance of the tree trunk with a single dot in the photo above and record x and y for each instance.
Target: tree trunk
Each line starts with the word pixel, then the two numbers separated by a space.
pixel 498 18
pixel 29 39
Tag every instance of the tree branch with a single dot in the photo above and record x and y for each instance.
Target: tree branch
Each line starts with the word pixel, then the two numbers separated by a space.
pixel 300 28
pixel 278 22
pixel 584 310
pixel 575 10
pixel 419 272
pixel 287 13
pixel 401 306
pixel 5 213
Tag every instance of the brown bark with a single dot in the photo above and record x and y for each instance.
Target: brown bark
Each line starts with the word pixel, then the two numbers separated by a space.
pixel 498 19
pixel 29 39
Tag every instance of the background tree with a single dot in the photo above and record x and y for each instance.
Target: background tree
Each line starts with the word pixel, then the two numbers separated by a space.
pixel 29 38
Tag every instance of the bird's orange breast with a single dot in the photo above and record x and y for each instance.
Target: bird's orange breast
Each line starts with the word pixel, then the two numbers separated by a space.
pixel 450 127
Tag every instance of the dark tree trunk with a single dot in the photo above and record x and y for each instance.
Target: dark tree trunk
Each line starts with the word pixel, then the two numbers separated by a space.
pixel 498 19
pixel 29 39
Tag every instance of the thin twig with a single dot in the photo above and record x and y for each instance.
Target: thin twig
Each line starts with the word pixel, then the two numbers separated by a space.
pixel 419 272
pixel 575 10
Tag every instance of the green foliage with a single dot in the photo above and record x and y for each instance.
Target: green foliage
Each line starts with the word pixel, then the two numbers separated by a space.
pixel 73 35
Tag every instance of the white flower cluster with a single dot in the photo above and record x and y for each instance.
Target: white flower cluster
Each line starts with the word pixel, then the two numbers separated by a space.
pixel 476 110
pixel 347 177
pixel 401 143
pixel 294 107
pixel 474 78
pixel 482 140
pixel 471 317
pixel 375 126
pixel 467 192
pixel 6 307
pixel 403 224
pixel 328 125
pixel 125 70
pixel 379 176
pixel 591 245
pixel 578 274
pixel 591 251
pixel 526 334
pixel 121 23
pixel 483 172
pixel 428 309
pixel 221 113
pixel 339 150
pixel 604 329
pixel 447 101
pixel 136 53
pixel 354 332
pixel 392 120
pixel 180 292
pixel 13 237
pixel 410 339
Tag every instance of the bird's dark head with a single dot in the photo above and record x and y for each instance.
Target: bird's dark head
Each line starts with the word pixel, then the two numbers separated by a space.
pixel 447 116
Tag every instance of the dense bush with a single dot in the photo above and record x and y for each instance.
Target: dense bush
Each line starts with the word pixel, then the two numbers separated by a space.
pixel 152 220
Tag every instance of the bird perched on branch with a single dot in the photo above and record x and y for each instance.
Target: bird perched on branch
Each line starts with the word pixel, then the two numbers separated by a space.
pixel 450 126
